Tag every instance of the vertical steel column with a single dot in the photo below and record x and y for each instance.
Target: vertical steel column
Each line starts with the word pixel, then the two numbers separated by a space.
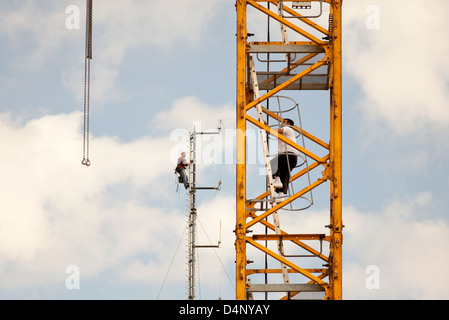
pixel 336 225
pixel 240 228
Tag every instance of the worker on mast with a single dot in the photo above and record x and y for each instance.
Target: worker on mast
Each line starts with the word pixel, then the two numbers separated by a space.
pixel 285 161
pixel 181 169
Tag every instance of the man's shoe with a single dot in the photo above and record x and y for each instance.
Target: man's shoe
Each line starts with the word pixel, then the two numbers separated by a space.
pixel 279 198
pixel 277 183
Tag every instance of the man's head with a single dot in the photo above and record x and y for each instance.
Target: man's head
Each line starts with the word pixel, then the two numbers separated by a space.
pixel 288 121
pixel 183 154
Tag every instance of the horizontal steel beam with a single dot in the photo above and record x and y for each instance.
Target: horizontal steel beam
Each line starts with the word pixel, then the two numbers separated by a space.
pixel 291 48
pixel 260 237
pixel 285 288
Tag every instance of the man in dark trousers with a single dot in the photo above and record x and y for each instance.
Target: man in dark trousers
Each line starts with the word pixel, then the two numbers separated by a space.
pixel 285 161
pixel 181 168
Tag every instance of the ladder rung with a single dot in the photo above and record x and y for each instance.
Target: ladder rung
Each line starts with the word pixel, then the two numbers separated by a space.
pixel 302 4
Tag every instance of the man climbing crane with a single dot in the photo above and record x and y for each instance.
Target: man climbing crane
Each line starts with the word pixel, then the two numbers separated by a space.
pixel 285 160
pixel 181 169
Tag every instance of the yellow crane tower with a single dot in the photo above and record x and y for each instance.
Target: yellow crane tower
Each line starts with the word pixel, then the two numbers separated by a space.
pixel 265 70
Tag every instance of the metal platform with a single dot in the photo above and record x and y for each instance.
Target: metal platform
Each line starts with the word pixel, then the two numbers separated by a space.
pixel 294 59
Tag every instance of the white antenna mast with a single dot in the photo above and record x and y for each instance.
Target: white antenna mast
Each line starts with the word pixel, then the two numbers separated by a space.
pixel 193 212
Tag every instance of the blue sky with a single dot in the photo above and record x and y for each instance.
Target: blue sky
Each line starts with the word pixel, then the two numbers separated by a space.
pixel 157 70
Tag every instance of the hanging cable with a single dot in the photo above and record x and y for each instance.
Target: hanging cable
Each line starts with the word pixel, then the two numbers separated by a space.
pixel 171 263
pixel 88 57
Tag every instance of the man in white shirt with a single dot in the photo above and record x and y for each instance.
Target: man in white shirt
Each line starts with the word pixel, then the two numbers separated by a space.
pixel 181 168
pixel 285 161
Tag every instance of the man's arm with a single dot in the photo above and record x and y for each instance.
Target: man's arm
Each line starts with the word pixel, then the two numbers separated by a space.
pixel 279 130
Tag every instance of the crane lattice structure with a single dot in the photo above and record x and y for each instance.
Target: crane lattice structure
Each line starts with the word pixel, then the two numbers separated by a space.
pixel 311 63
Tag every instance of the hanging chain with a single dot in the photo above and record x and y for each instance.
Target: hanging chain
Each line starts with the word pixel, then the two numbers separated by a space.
pixel 88 57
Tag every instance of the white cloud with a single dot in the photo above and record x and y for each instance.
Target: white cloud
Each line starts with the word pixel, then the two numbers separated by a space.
pixel 38 31
pixel 190 111
pixel 190 114
pixel 33 24
pixel 56 212
pixel 399 66
pixel 151 25
pixel 214 266
pixel 120 215
pixel 405 244
pixel 402 240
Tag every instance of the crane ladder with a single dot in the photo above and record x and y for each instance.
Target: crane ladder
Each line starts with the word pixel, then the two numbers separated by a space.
pixel 268 170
